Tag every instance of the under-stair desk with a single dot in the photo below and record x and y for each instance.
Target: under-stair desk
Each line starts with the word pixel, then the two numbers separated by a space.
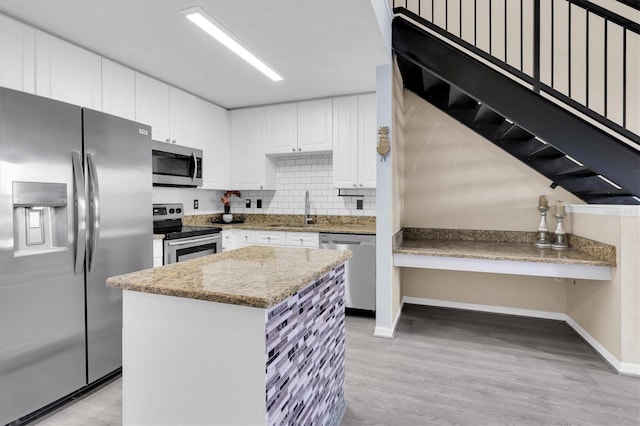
pixel 502 252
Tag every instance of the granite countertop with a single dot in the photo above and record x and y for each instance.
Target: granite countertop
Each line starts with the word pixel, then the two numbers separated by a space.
pixel 290 223
pixel 497 251
pixel 254 276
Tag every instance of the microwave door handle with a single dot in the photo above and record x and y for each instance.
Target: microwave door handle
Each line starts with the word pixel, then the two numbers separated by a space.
pixel 80 204
pixel 195 166
pixel 94 204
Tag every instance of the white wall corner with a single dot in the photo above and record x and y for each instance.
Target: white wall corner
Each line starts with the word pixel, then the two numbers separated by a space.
pixel 389 332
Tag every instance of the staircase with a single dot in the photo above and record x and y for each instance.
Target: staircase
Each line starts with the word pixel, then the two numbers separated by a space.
pixel 569 151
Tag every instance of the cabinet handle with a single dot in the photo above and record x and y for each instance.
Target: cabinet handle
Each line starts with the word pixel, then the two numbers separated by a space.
pixel 260 186
pixel 268 238
pixel 168 140
pixel 361 185
pixel 299 149
pixel 301 240
pixel 293 149
pixel 354 184
pixel 174 141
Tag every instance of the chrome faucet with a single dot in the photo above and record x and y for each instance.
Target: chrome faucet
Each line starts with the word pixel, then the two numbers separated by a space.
pixel 307 210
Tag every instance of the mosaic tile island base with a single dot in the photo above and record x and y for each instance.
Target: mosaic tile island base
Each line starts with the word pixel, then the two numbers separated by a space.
pixel 260 342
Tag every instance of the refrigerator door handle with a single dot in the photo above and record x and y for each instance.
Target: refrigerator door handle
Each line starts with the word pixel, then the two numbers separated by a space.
pixel 80 202
pixel 94 212
pixel 195 166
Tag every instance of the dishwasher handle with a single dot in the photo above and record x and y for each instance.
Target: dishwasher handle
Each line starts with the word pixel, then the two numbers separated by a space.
pixel 353 243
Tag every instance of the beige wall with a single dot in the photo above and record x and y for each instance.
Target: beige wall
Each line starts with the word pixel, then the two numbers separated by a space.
pixel 609 310
pixel 455 178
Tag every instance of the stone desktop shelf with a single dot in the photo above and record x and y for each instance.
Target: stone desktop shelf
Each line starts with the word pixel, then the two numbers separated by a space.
pixel 501 252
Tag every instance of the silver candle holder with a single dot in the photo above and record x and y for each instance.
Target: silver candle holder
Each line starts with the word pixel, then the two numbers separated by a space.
pixel 543 229
pixel 560 242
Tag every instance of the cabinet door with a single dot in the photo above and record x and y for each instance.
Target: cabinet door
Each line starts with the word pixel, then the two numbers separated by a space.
pixel 315 129
pixel 270 238
pixel 247 149
pixel 245 238
pixel 281 129
pixel 367 137
pixel 17 55
pixel 152 106
pixel 118 90
pixel 181 110
pixel 211 134
pixel 67 73
pixel 345 142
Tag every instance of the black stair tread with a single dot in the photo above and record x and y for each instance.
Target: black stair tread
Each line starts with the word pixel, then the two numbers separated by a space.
pixel 575 172
pixel 517 133
pixel 630 200
pixel 487 117
pixel 545 151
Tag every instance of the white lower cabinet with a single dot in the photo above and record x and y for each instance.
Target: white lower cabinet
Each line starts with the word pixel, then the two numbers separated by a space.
pixel 270 238
pixel 277 238
pixel 246 238
pixel 157 252
pixel 230 239
pixel 303 239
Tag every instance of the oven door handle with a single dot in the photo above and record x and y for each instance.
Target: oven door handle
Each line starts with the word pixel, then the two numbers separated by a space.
pixel 196 240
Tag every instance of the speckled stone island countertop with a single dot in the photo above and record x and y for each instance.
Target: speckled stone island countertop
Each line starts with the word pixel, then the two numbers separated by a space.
pixel 254 276
pixel 500 245
pixel 291 223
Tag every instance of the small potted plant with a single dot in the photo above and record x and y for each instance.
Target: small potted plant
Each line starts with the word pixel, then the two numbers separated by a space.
pixel 227 216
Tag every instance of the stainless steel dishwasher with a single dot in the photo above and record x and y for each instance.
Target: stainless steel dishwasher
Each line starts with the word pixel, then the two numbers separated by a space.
pixel 360 274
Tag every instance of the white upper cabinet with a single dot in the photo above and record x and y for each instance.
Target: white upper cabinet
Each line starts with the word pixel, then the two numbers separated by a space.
pixel 281 128
pixel 181 112
pixel 67 73
pixel 354 141
pixel 250 167
pixel 315 126
pixel 367 140
pixel 211 134
pixel 17 55
pixel 152 106
pixel 118 90
pixel 169 111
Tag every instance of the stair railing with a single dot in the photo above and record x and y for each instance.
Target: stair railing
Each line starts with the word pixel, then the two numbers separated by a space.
pixel 572 51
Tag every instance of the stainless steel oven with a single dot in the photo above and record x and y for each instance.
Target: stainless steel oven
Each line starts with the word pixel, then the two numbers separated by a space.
pixel 183 242
pixel 180 249
pixel 176 165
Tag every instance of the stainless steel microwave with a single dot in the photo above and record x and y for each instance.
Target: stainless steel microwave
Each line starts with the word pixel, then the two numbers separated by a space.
pixel 176 165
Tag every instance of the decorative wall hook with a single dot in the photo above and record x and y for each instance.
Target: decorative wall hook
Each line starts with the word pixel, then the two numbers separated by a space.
pixel 383 142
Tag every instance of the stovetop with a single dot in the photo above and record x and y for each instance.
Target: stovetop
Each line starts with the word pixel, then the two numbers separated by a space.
pixel 167 220
pixel 178 231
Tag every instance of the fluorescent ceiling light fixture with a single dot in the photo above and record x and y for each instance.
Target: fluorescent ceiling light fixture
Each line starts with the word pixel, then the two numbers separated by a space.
pixel 203 20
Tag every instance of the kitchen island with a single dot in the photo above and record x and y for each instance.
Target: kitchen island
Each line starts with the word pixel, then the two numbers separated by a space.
pixel 252 336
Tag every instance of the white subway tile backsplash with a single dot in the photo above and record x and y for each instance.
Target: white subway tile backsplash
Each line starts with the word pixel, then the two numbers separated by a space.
pixel 295 176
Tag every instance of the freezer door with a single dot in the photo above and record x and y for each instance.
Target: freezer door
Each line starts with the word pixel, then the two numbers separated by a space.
pixel 119 227
pixel 42 340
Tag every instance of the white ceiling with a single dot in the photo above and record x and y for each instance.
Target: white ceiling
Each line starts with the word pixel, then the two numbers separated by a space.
pixel 322 47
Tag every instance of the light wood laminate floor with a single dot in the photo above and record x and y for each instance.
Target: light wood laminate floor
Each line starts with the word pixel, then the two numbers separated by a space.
pixel 447 366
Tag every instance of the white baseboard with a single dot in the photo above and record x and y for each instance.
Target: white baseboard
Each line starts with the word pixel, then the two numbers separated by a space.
pixel 389 332
pixel 626 368
pixel 486 308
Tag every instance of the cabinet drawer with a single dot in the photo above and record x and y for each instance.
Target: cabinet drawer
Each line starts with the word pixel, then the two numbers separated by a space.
pixel 246 237
pixel 303 239
pixel 270 238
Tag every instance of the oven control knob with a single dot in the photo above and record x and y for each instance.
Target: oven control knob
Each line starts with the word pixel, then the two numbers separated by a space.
pixel 171 211
pixel 178 210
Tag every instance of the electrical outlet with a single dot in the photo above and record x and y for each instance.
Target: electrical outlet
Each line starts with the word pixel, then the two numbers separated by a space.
pixel 195 204
pixel 258 203
pixel 248 203
pixel 359 204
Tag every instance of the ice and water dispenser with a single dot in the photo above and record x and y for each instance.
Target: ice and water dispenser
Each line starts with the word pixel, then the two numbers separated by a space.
pixel 39 217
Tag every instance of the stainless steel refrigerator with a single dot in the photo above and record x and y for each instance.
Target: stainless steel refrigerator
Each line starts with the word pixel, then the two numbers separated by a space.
pixel 75 208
